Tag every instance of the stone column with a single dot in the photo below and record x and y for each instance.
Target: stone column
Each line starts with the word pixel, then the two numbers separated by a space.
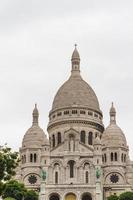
pixel 42 194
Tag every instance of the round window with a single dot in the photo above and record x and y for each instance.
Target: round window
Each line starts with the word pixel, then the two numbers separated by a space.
pixel 32 179
pixel 114 178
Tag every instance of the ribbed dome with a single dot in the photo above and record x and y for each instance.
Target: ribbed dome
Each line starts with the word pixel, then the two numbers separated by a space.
pixel 113 136
pixel 75 92
pixel 35 136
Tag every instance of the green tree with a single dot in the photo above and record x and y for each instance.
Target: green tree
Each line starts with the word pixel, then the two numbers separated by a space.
pixel 14 189
pixel 8 162
pixel 126 196
pixel 113 197
pixel 9 198
pixel 31 195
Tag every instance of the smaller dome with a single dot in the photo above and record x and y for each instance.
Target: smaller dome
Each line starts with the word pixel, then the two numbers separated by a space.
pixel 113 136
pixel 35 136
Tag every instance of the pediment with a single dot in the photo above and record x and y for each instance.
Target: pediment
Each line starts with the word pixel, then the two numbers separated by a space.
pixel 85 149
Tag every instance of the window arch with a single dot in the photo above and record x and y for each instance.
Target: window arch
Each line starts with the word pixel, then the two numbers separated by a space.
pixel 82 137
pixel 53 140
pixel 58 137
pixel 71 166
pixel 111 156
pixel 86 177
pixel 56 177
pixel 90 138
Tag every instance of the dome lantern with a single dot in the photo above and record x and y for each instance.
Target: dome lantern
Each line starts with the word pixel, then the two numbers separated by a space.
pixel 75 61
pixel 35 115
pixel 112 114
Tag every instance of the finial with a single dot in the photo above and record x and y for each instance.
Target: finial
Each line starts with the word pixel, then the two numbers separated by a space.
pixel 112 114
pixel 75 61
pixel 75 46
pixel 35 115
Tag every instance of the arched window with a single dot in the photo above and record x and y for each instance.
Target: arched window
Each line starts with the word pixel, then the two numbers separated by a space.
pixel 111 156
pixel 90 138
pixel 56 177
pixel 53 140
pixel 31 157
pixel 115 156
pixel 35 157
pixel 105 158
pixel 82 136
pixel 71 166
pixel 86 177
pixel 59 137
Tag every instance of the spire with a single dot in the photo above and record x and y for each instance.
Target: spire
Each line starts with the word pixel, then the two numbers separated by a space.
pixel 75 61
pixel 112 115
pixel 35 115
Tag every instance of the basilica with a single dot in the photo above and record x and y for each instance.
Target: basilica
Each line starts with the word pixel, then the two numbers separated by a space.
pixel 82 159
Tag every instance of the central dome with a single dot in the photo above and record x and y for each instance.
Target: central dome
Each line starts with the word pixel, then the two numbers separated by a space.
pixel 75 91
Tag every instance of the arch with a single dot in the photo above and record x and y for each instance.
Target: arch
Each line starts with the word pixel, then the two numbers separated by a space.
pixel 54 196
pixel 90 139
pixel 82 137
pixel 107 175
pixel 70 196
pixel 56 162
pixel 58 138
pixel 86 196
pixel 71 166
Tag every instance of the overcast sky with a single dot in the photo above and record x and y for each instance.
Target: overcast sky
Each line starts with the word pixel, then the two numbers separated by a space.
pixel 37 39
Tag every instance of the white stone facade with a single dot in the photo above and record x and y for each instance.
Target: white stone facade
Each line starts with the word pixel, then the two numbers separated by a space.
pixel 82 160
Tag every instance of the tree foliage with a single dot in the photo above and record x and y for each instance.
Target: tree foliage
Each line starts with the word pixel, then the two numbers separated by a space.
pixel 14 189
pixel 17 190
pixel 126 196
pixel 8 162
pixel 113 197
pixel 31 195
